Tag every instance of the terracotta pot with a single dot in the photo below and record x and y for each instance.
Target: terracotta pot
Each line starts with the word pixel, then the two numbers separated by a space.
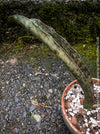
pixel 71 127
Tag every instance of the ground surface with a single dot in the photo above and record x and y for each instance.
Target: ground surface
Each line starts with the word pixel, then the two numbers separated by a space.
pixel 30 92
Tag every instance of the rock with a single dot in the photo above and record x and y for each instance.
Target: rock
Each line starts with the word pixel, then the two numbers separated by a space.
pixel 86 124
pixel 38 73
pixel 24 114
pixel 46 74
pixel 1 62
pixel 12 61
pixel 70 99
pixel 55 90
pixel 82 101
pixel 36 78
pixel 82 111
pixel 24 84
pixel 43 115
pixel 67 105
pixel 55 106
pixel 32 108
pixel 87 132
pixel 37 117
pixel 16 99
pixel 98 116
pixel 50 91
pixel 94 122
pixel 54 75
pixel 72 114
pixel 85 120
pixel 74 121
pixel 82 130
pixel 16 130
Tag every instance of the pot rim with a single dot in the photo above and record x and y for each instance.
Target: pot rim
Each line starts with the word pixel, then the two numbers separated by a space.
pixel 71 127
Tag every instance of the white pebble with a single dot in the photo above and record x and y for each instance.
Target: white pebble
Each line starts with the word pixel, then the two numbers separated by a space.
pixel 70 92
pixel 97 133
pixel 88 112
pixel 90 122
pixel 72 114
pixel 75 112
pixel 70 109
pixel 66 97
pixel 7 82
pixel 50 91
pixel 86 124
pixel 87 132
pixel 94 122
pixel 30 74
pixel 80 106
pixel 93 111
pixel 46 74
pixel 75 100
pixel 85 120
pixel 37 117
pixel 73 96
pixel 88 129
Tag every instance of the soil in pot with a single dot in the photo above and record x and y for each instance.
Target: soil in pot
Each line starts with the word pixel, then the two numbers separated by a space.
pixel 86 121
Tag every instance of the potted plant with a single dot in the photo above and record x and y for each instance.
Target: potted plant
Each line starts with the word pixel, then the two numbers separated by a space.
pixel 84 82
pixel 79 119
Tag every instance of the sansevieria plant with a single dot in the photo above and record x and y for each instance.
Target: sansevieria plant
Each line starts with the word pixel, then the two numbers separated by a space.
pixel 63 50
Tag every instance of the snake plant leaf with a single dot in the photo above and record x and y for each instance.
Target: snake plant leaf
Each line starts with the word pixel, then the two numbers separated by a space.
pixel 63 50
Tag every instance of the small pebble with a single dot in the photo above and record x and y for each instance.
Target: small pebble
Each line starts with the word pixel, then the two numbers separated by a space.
pixel 24 84
pixel 16 99
pixel 88 112
pixel 50 91
pixel 72 114
pixel 32 108
pixel 24 114
pixel 87 132
pixel 37 117
pixel 82 101
pixel 74 120
pixel 16 130
pixel 86 124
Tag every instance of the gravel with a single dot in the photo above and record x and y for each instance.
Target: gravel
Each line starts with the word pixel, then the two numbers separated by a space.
pixel 30 97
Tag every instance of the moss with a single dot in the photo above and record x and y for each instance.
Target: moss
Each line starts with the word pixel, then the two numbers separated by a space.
pixel 36 52
pixel 32 53
pixel 69 20
pixel 88 54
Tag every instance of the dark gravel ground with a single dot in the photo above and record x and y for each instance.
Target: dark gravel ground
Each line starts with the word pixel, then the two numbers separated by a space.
pixel 30 97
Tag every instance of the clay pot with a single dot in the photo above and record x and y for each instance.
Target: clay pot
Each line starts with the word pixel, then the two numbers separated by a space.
pixel 71 127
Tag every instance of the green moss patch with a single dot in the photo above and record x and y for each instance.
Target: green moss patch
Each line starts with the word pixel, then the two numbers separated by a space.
pixel 88 53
